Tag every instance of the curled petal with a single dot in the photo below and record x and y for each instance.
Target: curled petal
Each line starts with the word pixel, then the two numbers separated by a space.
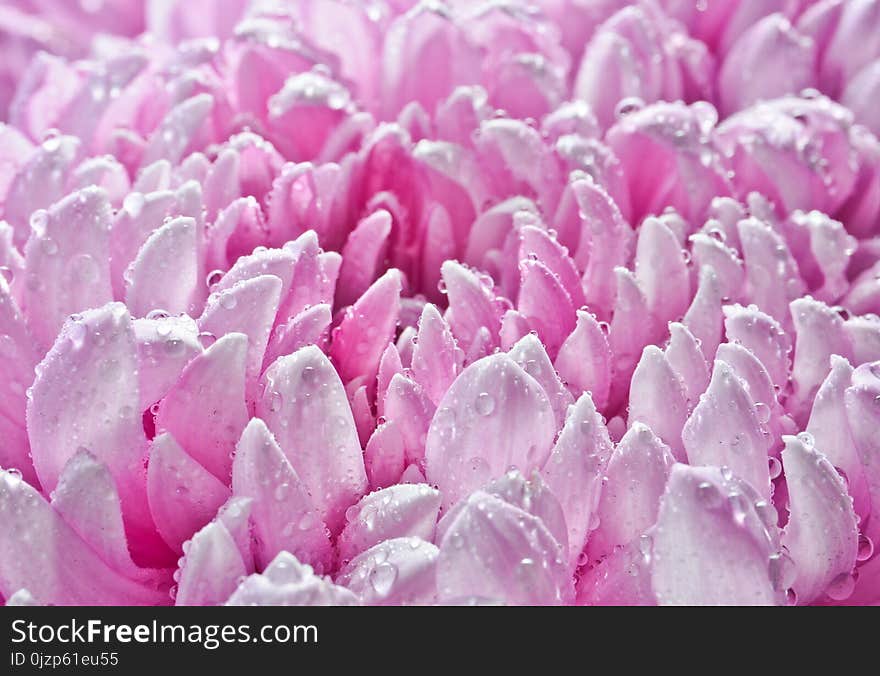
pixel 66 262
pixel 397 511
pixel 436 358
pixel 165 273
pixel 283 515
pixel 396 571
pixel 305 406
pixel 183 495
pixel 686 359
pixel 658 399
pixel 495 416
pixel 35 537
pixel 821 534
pixel 287 582
pixel 531 356
pixel 635 478
pixel 710 546
pixel 661 271
pixel 584 360
pixel 205 410
pixel 361 337
pixel 763 336
pixel 493 549
pixel 211 569
pixel 724 430
pixel 574 470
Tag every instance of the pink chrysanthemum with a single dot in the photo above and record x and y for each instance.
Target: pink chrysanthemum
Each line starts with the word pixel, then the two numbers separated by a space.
pixel 397 302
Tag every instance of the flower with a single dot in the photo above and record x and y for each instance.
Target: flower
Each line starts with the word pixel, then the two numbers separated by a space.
pixel 424 303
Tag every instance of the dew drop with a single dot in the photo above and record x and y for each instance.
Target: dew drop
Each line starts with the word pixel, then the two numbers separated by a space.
pixel 775 467
pixel 213 278
pixel 77 334
pixel 382 578
pixel 782 571
pixel 485 404
pixel 228 301
pixel 762 412
pixel 841 587
pixel 709 495
pixel 627 106
pixel 866 548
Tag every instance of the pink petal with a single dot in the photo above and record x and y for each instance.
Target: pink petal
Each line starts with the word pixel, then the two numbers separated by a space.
pixel 410 409
pixel 305 406
pixel 398 511
pixel 248 307
pixel 623 578
pixel 574 470
pixel 211 569
pixel 863 415
pixel 531 495
pixel 205 410
pixel 635 478
pixel 744 79
pixel 86 498
pixel 821 534
pixel 287 582
pixel 176 132
pixel 724 430
pixel 686 359
pixel 39 183
pixel 708 250
pixel 88 378
pixel 661 271
pixel 436 359
pixel 360 339
pixel 545 304
pixel 165 273
pixel 385 456
pixel 32 542
pixel 66 262
pixel 658 399
pixel 829 426
pixel 591 225
pixel 493 549
pixel 632 327
pixel 763 336
pixel 820 333
pixel 584 359
pixel 710 546
pixel 183 495
pixel 471 307
pixel 536 243
pixel 495 416
pixel 283 513
pixel 399 571
pixel 309 327
pixel 165 345
pixel 832 247
pixel 703 318
pixel 363 256
pixel 531 356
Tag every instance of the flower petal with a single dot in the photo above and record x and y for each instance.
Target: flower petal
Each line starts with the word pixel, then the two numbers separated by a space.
pixel 66 261
pixel 495 416
pixel 724 430
pixel 283 514
pixel 287 582
pixel 305 406
pixel 635 479
pixel 821 534
pixel 398 571
pixel 397 511
pixel 710 546
pixel 584 359
pixel 531 356
pixel 211 569
pixel 32 543
pixel 658 399
pixel 183 495
pixel 575 468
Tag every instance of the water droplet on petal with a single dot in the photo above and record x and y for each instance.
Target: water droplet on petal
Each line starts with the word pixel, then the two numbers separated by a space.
pixel 775 467
pixel 382 578
pixel 866 548
pixel 841 587
pixel 484 404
